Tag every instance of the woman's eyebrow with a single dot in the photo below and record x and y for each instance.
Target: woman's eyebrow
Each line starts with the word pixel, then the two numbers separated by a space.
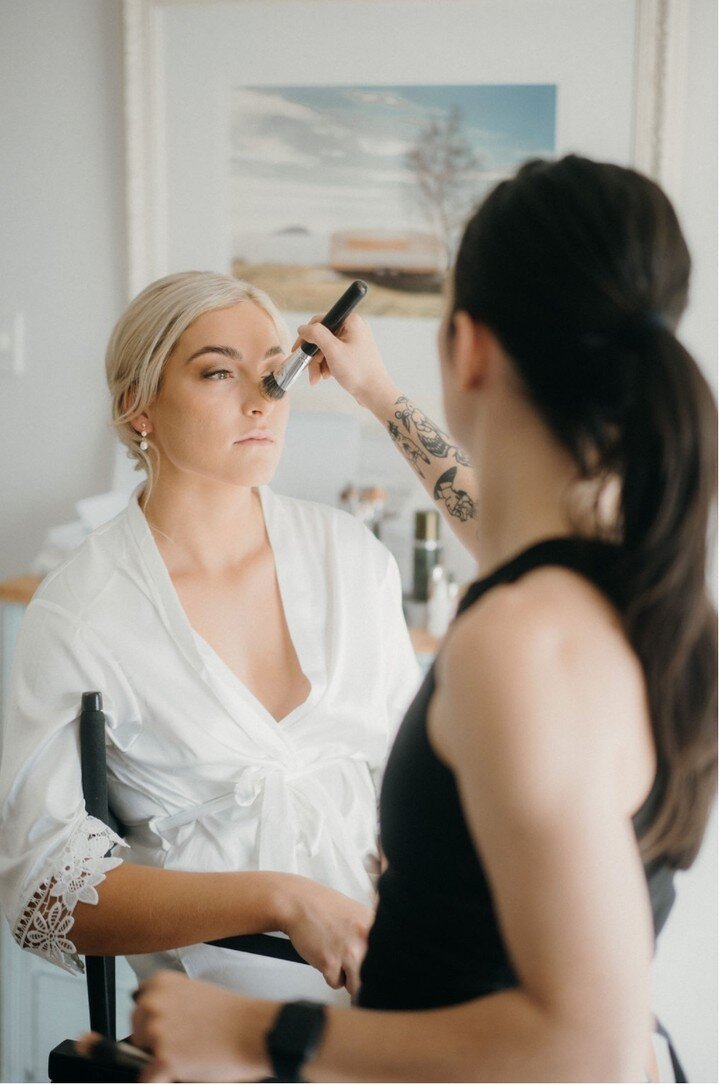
pixel 230 352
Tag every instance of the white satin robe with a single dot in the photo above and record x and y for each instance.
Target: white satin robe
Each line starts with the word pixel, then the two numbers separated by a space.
pixel 200 772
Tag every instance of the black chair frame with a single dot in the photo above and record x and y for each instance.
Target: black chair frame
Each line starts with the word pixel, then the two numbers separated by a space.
pixel 64 1064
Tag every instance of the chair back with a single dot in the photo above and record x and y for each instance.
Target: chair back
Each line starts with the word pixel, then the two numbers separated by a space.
pixel 100 971
pixel 64 1063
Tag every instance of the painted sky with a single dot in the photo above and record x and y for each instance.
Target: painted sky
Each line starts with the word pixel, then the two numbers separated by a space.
pixel 331 158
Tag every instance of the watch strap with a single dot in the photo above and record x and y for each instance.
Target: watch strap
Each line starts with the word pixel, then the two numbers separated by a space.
pixel 294 1038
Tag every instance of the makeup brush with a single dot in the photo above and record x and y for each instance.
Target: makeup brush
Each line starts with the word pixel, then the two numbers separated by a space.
pixel 275 385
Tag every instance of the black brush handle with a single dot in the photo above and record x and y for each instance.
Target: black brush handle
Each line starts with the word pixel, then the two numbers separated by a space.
pixel 336 317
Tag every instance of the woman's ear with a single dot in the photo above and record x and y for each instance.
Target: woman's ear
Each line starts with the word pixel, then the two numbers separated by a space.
pixel 470 347
pixel 138 421
pixel 141 422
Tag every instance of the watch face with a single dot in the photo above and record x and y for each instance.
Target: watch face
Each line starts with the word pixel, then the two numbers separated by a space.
pixel 294 1037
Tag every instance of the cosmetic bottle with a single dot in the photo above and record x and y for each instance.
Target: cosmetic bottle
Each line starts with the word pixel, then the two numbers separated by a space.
pixel 427 551
pixel 438 607
pixel 453 597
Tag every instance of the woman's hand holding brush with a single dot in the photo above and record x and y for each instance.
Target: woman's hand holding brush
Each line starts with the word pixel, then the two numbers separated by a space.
pixel 353 359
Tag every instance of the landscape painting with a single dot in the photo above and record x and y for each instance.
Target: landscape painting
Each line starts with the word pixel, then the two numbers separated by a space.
pixel 331 183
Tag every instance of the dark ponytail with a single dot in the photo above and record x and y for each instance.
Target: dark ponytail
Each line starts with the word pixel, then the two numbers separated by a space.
pixel 668 474
pixel 581 270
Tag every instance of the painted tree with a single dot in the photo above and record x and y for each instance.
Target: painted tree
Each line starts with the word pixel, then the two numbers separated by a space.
pixel 443 162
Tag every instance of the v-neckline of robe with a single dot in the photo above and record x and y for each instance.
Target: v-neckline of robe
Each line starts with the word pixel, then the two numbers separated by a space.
pixel 309 655
pixel 214 659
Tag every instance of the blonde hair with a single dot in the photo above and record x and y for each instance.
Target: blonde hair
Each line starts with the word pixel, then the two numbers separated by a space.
pixel 146 335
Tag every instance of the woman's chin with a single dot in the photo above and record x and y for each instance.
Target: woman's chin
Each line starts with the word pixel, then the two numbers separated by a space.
pixel 258 475
pixel 256 466
pixel 254 471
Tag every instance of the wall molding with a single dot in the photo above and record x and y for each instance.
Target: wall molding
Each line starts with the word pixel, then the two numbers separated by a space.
pixel 144 140
pixel 660 89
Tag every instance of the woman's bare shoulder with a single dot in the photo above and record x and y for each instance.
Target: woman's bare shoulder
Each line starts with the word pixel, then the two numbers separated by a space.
pixel 550 610
pixel 540 664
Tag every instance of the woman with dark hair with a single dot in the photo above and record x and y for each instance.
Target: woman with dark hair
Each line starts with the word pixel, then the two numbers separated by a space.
pixel 559 762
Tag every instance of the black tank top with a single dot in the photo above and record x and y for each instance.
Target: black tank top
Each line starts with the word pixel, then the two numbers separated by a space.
pixel 436 939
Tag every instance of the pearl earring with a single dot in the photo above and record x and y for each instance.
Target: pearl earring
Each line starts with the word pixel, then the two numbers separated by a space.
pixel 143 443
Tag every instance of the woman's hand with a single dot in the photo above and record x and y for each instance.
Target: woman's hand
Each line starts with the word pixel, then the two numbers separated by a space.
pixel 196 1031
pixel 328 929
pixel 352 358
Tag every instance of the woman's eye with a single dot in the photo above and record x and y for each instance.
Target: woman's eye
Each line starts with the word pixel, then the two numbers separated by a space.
pixel 217 374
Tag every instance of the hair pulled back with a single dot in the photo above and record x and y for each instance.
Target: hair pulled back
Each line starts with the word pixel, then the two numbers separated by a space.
pixel 581 270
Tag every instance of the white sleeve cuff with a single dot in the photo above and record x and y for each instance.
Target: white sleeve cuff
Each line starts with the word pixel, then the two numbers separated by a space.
pixel 47 918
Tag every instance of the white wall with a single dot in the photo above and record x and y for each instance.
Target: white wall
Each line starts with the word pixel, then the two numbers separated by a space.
pixel 62 262
pixel 63 266
pixel 695 196
pixel 686 975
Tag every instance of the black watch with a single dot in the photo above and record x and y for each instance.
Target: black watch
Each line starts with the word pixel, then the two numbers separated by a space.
pixel 294 1038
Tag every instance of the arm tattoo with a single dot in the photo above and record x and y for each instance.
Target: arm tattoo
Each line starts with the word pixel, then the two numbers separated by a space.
pixel 432 439
pixel 412 451
pixel 457 502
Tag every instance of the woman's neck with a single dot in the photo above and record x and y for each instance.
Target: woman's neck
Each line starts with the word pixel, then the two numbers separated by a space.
pixel 201 525
pixel 525 482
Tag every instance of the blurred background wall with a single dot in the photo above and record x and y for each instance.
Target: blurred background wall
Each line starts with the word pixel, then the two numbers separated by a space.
pixel 63 257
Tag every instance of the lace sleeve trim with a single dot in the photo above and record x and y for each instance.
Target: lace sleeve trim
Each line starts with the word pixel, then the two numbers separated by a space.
pixel 47 918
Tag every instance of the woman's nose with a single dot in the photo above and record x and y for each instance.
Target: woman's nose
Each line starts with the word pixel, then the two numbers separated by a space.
pixel 255 403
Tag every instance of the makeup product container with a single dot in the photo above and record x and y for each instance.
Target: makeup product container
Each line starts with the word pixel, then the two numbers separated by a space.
pixel 427 551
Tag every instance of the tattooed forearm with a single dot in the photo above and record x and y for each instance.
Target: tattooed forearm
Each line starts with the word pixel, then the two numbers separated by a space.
pixel 431 438
pixel 443 468
pixel 409 448
pixel 404 414
pixel 457 502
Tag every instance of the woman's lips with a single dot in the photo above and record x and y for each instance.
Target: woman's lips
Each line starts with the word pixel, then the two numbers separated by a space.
pixel 257 439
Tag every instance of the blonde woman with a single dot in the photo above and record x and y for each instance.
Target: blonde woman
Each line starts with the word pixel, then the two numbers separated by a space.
pixel 254 664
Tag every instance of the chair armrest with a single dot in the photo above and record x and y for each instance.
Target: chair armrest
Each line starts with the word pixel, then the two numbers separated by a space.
pixel 265 945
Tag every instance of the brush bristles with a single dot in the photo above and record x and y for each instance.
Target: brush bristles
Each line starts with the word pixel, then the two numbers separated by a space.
pixel 270 387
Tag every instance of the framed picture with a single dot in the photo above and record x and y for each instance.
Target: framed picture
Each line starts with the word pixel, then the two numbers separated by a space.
pixel 381 181
pixel 295 141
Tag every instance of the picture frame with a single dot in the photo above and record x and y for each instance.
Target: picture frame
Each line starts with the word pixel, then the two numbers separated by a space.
pixel 158 73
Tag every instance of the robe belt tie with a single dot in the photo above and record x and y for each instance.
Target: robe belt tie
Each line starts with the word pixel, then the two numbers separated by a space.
pixel 296 806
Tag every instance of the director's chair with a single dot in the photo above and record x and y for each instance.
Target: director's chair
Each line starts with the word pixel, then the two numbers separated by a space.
pixel 64 1063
